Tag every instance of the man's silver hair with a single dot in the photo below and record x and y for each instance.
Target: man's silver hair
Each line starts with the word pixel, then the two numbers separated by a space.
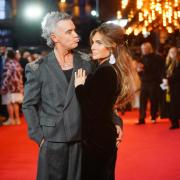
pixel 49 23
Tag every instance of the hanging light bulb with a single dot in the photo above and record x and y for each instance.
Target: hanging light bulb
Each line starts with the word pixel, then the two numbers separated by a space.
pixel 124 4
pixel 119 15
pixel 139 4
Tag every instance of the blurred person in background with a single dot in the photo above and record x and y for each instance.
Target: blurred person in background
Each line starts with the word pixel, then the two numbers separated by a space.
pixel 3 110
pixel 18 55
pixel 173 77
pixel 12 88
pixel 150 69
pixel 24 60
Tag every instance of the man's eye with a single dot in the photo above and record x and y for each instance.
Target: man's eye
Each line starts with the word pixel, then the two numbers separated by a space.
pixel 98 42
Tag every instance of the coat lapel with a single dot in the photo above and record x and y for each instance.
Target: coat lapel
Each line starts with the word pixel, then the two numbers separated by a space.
pixel 55 69
pixel 71 89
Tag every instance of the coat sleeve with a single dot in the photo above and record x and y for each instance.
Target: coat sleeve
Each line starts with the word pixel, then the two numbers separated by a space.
pixel 32 94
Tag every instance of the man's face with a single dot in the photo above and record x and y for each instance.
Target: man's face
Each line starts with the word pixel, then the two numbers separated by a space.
pixel 2 50
pixel 65 35
pixel 145 49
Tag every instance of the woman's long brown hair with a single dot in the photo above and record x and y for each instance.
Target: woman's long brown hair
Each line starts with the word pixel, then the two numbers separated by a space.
pixel 113 38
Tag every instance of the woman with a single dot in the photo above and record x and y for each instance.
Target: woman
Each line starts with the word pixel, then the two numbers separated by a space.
pixel 112 81
pixel 173 76
pixel 12 88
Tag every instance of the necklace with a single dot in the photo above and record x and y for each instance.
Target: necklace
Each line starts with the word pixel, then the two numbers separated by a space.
pixel 65 65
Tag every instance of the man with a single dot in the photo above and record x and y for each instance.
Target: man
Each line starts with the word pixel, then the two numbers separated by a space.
pixel 50 105
pixel 150 70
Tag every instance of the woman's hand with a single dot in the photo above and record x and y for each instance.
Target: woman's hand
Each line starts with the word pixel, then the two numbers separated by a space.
pixel 120 135
pixel 80 77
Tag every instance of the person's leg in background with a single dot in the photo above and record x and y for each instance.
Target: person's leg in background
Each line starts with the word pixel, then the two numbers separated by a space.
pixel 154 101
pixel 143 105
pixel 11 119
pixel 16 113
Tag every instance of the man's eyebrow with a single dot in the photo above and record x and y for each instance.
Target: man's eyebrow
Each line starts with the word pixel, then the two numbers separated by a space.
pixel 72 29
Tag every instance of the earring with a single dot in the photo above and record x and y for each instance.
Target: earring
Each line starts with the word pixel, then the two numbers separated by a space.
pixel 112 59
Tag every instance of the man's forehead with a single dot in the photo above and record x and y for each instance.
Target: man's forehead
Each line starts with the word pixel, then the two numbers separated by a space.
pixel 66 25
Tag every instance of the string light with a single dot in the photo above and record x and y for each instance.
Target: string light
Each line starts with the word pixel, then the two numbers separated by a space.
pixel 150 14
pixel 124 3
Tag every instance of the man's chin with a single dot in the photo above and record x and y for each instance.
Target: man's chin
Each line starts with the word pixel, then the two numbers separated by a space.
pixel 75 45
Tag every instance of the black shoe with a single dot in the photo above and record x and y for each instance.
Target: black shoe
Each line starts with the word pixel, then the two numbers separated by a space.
pixel 174 127
pixel 140 123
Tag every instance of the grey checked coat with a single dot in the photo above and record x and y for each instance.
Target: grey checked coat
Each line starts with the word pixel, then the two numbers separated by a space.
pixel 50 105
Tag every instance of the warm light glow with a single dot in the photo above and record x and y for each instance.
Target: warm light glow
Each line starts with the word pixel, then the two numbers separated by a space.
pixel 176 3
pixel 139 4
pixel 129 30
pixel 175 15
pixel 178 14
pixel 136 31
pixel 124 3
pixel 151 15
pixel 141 16
pixel 169 29
pixel 146 23
pixel 62 5
pixel 76 11
pixel 119 15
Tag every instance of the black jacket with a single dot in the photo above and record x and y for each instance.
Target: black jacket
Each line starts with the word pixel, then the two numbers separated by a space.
pixel 153 68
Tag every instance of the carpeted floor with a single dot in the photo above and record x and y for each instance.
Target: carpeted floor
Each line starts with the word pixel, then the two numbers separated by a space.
pixel 147 152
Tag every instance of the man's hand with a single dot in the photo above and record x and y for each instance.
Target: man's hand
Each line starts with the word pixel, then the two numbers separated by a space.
pixel 120 135
pixel 80 77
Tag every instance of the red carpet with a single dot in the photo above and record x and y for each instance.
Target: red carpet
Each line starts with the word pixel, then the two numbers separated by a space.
pixel 147 152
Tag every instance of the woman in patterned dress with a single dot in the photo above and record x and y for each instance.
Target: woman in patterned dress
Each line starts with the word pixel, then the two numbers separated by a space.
pixel 12 88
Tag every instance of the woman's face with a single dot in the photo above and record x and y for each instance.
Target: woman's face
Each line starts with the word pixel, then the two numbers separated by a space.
pixel 173 53
pixel 99 51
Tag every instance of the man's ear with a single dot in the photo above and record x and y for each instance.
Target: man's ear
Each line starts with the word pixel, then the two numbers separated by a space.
pixel 54 38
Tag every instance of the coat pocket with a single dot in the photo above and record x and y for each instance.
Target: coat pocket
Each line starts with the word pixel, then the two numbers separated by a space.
pixel 48 121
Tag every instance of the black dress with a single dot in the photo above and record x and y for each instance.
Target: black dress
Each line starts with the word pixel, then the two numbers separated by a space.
pixel 97 98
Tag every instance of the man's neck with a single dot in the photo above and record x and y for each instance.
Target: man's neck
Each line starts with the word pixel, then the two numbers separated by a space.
pixel 64 58
pixel 62 53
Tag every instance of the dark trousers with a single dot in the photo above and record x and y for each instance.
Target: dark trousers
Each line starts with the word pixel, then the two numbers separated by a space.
pixel 149 91
pixel 97 165
pixel 60 161
pixel 174 122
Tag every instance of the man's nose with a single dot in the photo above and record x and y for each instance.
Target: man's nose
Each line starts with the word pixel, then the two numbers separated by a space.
pixel 75 35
